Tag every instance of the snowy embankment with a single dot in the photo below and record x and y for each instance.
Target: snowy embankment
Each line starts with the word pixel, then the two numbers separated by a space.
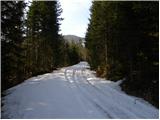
pixel 73 92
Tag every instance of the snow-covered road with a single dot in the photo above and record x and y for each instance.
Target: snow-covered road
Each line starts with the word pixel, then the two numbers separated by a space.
pixel 73 92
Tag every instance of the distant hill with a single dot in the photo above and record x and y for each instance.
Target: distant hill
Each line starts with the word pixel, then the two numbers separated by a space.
pixel 74 39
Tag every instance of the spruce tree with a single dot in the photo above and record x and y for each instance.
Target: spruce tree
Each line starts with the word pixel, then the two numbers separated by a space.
pixel 12 38
pixel 42 37
pixel 122 42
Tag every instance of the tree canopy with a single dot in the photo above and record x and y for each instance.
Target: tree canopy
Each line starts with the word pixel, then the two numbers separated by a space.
pixel 122 40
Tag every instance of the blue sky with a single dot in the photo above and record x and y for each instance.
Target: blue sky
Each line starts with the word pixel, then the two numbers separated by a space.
pixel 76 14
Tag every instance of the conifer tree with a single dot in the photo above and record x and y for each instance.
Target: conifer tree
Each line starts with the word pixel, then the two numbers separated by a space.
pixel 122 42
pixel 42 36
pixel 12 38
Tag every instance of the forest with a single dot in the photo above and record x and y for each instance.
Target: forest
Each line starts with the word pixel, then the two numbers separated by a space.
pixel 122 42
pixel 31 44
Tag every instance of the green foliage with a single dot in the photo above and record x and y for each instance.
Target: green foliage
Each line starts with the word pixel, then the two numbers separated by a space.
pixel 42 42
pixel 36 53
pixel 12 38
pixel 70 53
pixel 122 42
pixel 73 55
pixel 41 50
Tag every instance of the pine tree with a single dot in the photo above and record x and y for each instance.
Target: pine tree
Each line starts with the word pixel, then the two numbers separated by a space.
pixel 42 37
pixel 122 42
pixel 12 37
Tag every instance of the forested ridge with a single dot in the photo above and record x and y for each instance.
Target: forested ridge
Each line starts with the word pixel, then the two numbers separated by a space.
pixel 122 42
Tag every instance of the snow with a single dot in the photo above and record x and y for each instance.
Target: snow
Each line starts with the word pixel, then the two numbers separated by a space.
pixel 73 92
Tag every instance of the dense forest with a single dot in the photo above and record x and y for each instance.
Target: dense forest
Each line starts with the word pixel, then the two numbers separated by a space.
pixel 122 43
pixel 31 43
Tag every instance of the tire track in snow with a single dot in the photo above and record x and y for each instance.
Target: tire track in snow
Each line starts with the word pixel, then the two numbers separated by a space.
pixel 81 97
pixel 93 101
pixel 126 107
pixel 122 112
pixel 86 96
